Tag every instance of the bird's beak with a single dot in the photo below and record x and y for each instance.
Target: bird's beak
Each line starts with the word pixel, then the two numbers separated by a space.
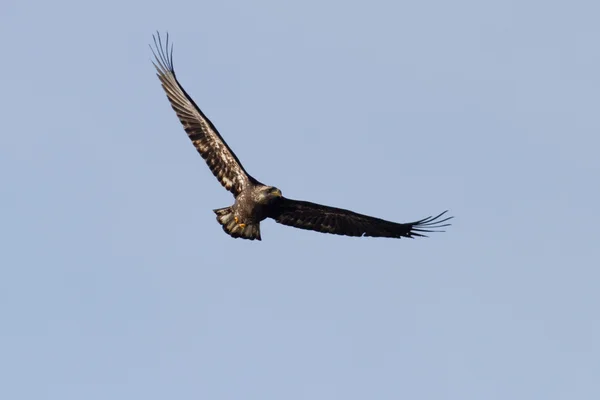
pixel 277 192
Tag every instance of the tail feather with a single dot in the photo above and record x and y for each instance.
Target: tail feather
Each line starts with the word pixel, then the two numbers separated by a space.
pixel 226 218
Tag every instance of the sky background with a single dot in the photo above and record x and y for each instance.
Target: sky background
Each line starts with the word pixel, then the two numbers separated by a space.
pixel 116 282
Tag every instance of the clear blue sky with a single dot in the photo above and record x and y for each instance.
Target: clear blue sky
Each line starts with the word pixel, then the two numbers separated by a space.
pixel 116 282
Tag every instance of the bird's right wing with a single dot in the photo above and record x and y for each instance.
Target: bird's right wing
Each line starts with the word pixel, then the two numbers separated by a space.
pixel 206 139
pixel 316 217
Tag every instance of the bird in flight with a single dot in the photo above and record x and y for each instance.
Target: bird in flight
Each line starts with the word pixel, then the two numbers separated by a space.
pixel 255 201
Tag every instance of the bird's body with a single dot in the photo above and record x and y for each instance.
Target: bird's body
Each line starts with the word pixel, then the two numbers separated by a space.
pixel 255 201
pixel 252 205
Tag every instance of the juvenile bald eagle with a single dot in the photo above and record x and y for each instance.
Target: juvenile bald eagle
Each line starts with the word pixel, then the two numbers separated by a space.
pixel 254 201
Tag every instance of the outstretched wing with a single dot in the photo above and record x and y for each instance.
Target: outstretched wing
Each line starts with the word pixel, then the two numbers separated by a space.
pixel 316 217
pixel 220 158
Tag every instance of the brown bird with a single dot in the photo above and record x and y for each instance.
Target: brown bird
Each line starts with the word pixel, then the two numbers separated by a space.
pixel 255 201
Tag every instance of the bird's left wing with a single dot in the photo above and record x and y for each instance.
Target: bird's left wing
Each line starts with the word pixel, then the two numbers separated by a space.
pixel 316 217
pixel 221 160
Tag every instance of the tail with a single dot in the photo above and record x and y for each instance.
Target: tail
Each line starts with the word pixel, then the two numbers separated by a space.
pixel 226 218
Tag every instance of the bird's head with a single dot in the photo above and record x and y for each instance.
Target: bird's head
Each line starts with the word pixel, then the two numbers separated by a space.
pixel 268 194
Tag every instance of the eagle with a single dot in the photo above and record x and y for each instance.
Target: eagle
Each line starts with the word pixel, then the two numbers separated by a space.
pixel 254 201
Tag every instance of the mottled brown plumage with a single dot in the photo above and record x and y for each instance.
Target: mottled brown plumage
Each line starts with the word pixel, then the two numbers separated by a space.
pixel 204 136
pixel 254 201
